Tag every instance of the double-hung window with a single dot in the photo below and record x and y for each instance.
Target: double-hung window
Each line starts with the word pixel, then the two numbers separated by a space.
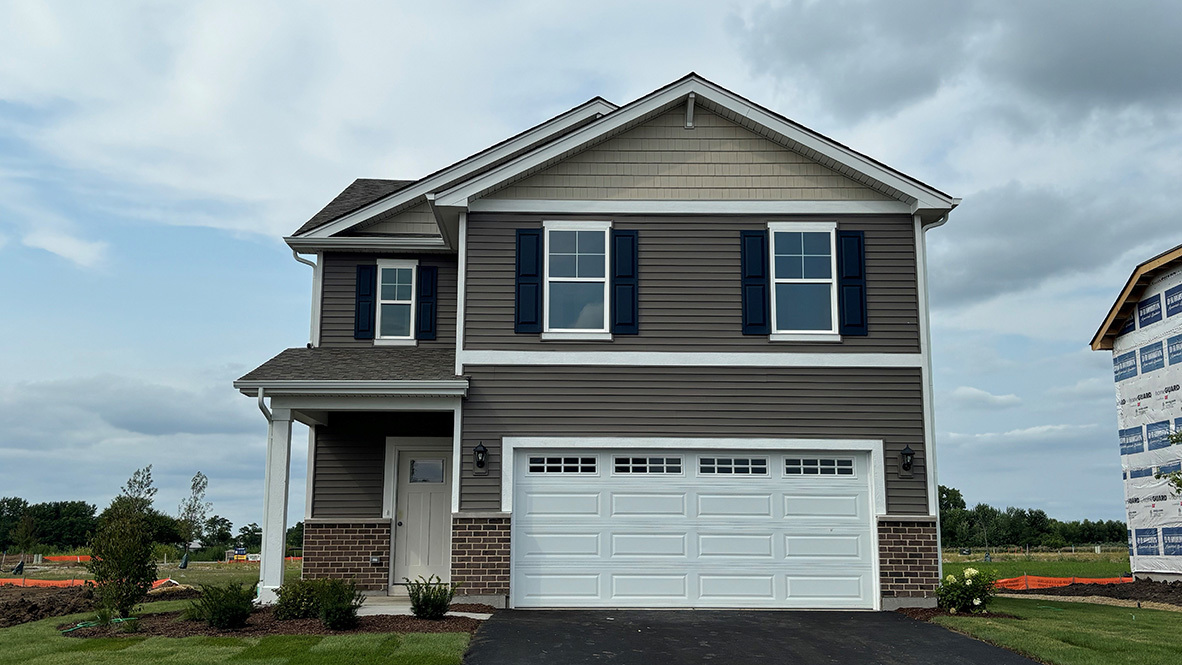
pixel 396 304
pixel 576 284
pixel 804 293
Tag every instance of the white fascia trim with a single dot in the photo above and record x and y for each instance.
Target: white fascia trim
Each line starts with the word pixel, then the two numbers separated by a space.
pixel 596 107
pixel 363 243
pixel 410 388
pixel 877 468
pixel 689 359
pixel 540 206
pixel 472 188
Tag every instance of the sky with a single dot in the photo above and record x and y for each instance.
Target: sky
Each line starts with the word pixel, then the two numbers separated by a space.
pixel 153 154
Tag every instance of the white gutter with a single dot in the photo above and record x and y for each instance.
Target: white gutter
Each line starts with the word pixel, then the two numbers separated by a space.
pixel 309 245
pixel 402 388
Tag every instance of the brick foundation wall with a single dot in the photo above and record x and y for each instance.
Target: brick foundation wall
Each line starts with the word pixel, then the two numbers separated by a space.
pixel 480 555
pixel 908 561
pixel 342 549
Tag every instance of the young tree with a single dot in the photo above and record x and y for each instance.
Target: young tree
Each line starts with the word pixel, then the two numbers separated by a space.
pixel 139 486
pixel 122 563
pixel 192 511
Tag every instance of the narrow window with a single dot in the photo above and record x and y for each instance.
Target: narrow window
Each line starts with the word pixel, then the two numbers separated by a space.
pixel 576 277
pixel 804 299
pixel 813 466
pixel 737 466
pixel 648 465
pixel 562 465
pixel 396 292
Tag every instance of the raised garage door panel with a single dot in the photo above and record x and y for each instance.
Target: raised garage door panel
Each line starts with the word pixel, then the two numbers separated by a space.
pixel 585 535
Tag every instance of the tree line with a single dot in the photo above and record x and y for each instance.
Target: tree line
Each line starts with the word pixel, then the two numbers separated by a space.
pixel 65 526
pixel 983 525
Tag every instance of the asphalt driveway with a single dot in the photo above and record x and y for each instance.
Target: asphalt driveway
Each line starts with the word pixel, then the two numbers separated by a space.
pixel 646 637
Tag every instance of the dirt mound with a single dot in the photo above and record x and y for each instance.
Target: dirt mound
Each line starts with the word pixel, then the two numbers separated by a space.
pixel 23 604
pixel 1169 593
pixel 263 622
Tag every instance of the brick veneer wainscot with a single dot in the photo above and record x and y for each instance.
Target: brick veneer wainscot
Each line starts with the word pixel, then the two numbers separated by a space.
pixel 342 550
pixel 480 555
pixel 909 560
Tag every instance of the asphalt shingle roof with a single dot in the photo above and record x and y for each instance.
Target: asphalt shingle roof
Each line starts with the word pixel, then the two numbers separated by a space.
pixel 362 192
pixel 375 363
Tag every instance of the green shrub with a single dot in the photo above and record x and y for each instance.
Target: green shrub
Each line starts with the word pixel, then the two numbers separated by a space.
pixel 969 593
pixel 430 597
pixel 122 562
pixel 339 602
pixel 224 606
pixel 299 599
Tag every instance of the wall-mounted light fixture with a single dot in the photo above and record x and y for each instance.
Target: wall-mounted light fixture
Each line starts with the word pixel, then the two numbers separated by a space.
pixel 906 459
pixel 480 460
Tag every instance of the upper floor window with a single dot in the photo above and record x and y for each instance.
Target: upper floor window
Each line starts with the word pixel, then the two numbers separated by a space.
pixel 576 283
pixel 804 293
pixel 396 306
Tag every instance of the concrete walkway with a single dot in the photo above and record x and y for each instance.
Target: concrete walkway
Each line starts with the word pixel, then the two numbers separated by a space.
pixel 375 605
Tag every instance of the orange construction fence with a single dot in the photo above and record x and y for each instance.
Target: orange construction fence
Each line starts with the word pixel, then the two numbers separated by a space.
pixel 1035 582
pixel 18 581
pixel 68 558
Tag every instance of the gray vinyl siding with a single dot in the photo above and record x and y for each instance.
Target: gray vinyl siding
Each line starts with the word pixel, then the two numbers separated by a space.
pixel 350 458
pixel 339 292
pixel 689 286
pixel 716 161
pixel 417 220
pixel 738 402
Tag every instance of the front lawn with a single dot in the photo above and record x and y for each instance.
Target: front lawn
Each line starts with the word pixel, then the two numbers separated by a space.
pixel 1110 566
pixel 1077 633
pixel 40 643
pixel 198 572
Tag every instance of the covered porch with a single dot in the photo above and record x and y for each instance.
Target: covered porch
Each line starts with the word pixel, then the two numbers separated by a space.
pixel 383 461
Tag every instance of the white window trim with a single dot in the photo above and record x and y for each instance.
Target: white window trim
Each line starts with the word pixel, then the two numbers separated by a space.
pixel 589 334
pixel 831 335
pixel 409 340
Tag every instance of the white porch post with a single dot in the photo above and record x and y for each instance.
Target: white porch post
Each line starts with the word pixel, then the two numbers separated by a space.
pixel 275 485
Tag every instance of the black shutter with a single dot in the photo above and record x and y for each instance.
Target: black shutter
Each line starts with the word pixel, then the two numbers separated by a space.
pixel 851 283
pixel 528 294
pixel 756 283
pixel 625 285
pixel 364 311
pixel 426 304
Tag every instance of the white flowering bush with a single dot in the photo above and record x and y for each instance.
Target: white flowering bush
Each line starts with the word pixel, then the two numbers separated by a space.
pixel 969 593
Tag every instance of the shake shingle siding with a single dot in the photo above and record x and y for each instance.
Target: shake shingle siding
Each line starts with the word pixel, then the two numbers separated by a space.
pixel 723 402
pixel 690 288
pixel 337 305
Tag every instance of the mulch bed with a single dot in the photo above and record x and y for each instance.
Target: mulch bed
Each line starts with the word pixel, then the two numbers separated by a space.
pixel 929 613
pixel 263 622
pixel 24 604
pixel 1169 593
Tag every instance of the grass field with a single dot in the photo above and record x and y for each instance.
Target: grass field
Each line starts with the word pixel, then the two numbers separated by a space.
pixel 39 643
pixel 1082 564
pixel 198 572
pixel 1076 633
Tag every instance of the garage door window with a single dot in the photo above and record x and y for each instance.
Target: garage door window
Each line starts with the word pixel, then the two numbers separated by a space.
pixel 814 466
pixel 648 465
pixel 738 466
pixel 562 465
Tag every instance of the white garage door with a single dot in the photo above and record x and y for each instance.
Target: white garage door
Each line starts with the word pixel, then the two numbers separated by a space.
pixel 692 529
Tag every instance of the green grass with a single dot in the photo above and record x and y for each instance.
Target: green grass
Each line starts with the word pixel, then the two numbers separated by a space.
pixel 39 643
pixel 1114 566
pixel 198 572
pixel 1077 633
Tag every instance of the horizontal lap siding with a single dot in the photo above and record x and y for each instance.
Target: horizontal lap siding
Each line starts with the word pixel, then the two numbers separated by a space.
pixel 825 403
pixel 350 458
pixel 689 286
pixel 339 292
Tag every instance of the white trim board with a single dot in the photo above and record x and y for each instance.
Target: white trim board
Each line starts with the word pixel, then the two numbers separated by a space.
pixel 877 469
pixel 688 359
pixel 539 206
pixel 595 107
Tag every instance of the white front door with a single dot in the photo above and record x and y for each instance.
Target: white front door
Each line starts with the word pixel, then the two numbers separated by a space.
pixel 422 519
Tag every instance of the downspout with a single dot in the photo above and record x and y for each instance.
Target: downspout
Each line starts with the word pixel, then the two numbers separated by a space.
pixel 302 260
pixel 314 325
pixel 263 406
pixel 927 344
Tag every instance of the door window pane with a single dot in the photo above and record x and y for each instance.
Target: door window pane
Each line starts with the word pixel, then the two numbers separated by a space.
pixel 804 307
pixel 576 305
pixel 426 471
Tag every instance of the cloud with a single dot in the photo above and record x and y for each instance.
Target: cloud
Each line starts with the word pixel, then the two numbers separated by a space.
pixel 1026 436
pixel 87 254
pixel 1094 388
pixel 975 398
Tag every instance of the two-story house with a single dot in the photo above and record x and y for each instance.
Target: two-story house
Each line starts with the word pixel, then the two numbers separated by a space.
pixel 668 354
